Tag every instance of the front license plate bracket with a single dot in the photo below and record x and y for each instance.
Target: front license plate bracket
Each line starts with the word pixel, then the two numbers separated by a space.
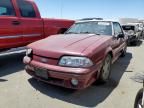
pixel 41 73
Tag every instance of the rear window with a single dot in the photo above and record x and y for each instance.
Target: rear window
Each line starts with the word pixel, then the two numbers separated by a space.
pixel 6 8
pixel 128 27
pixel 26 9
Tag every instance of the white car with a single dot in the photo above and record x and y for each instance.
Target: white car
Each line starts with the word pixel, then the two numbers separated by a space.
pixel 133 33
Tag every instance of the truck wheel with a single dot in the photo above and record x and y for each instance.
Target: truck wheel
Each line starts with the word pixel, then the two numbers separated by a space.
pixel 62 31
pixel 128 43
pixel 138 100
pixel 106 69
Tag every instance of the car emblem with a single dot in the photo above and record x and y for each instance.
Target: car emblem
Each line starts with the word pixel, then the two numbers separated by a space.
pixel 44 60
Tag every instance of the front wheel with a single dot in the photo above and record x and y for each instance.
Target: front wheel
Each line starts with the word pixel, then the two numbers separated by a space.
pixel 124 51
pixel 138 100
pixel 106 69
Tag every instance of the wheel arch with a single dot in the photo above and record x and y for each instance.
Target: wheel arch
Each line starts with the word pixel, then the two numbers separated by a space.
pixel 109 51
pixel 106 51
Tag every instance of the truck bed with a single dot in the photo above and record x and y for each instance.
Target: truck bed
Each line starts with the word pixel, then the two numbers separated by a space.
pixel 54 26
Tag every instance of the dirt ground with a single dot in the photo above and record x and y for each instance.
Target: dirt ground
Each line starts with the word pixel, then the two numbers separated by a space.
pixel 19 90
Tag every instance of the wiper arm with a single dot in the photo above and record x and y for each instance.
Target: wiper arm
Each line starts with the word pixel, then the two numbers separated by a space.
pixel 71 33
pixel 85 33
pixel 90 33
pixel 97 34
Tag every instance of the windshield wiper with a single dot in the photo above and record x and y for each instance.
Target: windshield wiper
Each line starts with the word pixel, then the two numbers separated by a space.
pixel 85 33
pixel 97 34
pixel 71 33
pixel 89 33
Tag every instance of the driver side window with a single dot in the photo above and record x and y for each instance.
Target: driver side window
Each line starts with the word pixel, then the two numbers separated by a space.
pixel 117 29
pixel 6 8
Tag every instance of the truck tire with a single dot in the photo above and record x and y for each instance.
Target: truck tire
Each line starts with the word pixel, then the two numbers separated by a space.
pixel 134 43
pixel 62 31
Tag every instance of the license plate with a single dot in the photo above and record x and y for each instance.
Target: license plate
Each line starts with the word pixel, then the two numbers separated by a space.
pixel 41 73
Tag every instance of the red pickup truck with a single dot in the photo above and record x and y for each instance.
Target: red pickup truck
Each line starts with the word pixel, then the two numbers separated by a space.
pixel 21 24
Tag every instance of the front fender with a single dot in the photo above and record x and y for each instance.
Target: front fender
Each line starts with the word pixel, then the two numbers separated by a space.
pixel 108 51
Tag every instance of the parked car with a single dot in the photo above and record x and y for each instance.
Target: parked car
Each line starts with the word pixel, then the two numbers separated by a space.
pixel 140 25
pixel 143 30
pixel 79 57
pixel 139 100
pixel 133 33
pixel 21 24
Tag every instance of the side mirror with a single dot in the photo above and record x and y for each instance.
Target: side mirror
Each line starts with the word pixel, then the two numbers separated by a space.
pixel 121 35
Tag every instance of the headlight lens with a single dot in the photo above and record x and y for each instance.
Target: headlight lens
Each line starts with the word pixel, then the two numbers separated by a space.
pixel 78 62
pixel 131 32
pixel 29 52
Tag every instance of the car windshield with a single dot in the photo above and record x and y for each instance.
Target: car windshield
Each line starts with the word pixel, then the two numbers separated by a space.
pixel 97 27
pixel 128 27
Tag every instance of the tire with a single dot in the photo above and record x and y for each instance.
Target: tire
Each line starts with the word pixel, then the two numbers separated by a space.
pixel 128 43
pixel 62 31
pixel 124 52
pixel 134 42
pixel 106 69
pixel 138 100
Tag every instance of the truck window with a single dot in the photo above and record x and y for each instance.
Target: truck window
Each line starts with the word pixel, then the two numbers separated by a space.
pixel 128 27
pixel 6 8
pixel 26 9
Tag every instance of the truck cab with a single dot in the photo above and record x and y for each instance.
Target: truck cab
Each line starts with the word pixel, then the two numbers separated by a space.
pixel 22 24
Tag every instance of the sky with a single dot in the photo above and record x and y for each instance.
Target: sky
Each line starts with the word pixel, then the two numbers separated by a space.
pixel 77 9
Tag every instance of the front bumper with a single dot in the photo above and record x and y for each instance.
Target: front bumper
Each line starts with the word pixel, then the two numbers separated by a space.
pixel 62 76
pixel 132 38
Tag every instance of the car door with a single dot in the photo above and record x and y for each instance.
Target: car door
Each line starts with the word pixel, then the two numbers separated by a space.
pixel 10 28
pixel 117 41
pixel 31 21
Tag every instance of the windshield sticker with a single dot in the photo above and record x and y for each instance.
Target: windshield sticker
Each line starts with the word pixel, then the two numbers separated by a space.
pixel 103 23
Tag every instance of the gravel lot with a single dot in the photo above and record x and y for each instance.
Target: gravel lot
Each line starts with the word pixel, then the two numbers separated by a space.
pixel 19 90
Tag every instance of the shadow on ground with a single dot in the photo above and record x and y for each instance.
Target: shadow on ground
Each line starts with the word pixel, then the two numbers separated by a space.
pixel 10 64
pixel 91 96
pixel 139 43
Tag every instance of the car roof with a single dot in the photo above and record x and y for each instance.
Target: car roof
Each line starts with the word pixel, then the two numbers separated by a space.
pixel 83 21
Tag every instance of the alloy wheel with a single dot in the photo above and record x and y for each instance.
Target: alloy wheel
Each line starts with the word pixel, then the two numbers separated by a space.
pixel 106 68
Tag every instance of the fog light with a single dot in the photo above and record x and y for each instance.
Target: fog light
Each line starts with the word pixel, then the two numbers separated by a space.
pixel 27 60
pixel 74 82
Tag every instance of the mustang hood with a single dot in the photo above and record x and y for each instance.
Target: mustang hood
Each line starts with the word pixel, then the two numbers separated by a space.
pixel 67 44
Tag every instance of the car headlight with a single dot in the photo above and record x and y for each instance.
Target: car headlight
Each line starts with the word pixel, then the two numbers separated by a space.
pixel 29 52
pixel 131 32
pixel 78 62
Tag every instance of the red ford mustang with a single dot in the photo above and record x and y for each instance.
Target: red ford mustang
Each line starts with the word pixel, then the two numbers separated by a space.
pixel 79 57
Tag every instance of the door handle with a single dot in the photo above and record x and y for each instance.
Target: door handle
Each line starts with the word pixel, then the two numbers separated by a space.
pixel 15 22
